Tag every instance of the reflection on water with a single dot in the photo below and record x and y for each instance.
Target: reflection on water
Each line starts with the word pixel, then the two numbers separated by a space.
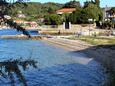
pixel 9 68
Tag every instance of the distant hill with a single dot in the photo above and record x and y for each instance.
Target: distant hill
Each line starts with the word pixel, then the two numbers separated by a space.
pixel 34 9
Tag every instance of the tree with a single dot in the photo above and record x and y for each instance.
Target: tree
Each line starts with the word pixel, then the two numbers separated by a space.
pixel 82 15
pixel 51 10
pixel 87 3
pixel 11 67
pixel 4 5
pixel 75 16
pixel 72 4
pixel 93 12
pixel 53 19
pixel 97 2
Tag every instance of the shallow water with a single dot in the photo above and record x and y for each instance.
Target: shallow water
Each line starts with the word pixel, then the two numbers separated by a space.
pixel 55 66
pixel 15 32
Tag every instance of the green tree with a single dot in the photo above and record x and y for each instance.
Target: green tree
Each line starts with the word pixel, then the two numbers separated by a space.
pixel 53 19
pixel 87 3
pixel 40 9
pixel 82 15
pixel 93 12
pixel 75 16
pixel 97 2
pixel 4 5
pixel 72 4
pixel 51 10
pixel 12 67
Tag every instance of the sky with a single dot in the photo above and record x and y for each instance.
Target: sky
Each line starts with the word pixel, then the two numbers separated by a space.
pixel 109 3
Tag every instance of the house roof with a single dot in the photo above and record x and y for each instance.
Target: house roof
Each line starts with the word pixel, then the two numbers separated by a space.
pixel 19 21
pixel 66 10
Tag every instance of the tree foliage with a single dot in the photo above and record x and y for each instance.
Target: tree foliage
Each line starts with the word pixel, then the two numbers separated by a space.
pixel 75 16
pixel 93 11
pixel 11 67
pixel 72 4
pixel 53 19
pixel 34 8
pixel 97 2
pixel 4 5
pixel 82 15
pixel 87 3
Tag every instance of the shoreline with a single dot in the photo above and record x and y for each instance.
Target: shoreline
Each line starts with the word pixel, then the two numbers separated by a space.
pixel 95 52
pixel 70 45
pixel 104 54
pixel 101 53
pixel 22 37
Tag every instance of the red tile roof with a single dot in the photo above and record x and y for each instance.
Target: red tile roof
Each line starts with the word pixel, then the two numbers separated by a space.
pixel 65 10
pixel 19 21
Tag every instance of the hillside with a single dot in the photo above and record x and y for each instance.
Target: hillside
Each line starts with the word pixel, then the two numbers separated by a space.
pixel 34 9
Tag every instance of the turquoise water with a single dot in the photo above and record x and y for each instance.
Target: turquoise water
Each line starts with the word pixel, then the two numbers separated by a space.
pixel 55 66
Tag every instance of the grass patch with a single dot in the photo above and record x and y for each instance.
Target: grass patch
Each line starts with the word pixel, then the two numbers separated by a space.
pixel 95 40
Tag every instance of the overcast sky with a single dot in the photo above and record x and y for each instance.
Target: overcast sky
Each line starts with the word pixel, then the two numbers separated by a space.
pixel 109 3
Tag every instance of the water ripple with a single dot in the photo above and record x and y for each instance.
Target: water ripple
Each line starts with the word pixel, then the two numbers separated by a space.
pixel 56 67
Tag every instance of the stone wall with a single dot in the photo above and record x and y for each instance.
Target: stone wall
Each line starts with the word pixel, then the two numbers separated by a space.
pixel 85 29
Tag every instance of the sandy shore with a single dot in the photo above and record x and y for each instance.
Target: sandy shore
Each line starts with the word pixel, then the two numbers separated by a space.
pixel 71 45
pixel 105 54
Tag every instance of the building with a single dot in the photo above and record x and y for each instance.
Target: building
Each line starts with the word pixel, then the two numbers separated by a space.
pixel 32 24
pixel 20 15
pixel 106 15
pixel 20 21
pixel 65 10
